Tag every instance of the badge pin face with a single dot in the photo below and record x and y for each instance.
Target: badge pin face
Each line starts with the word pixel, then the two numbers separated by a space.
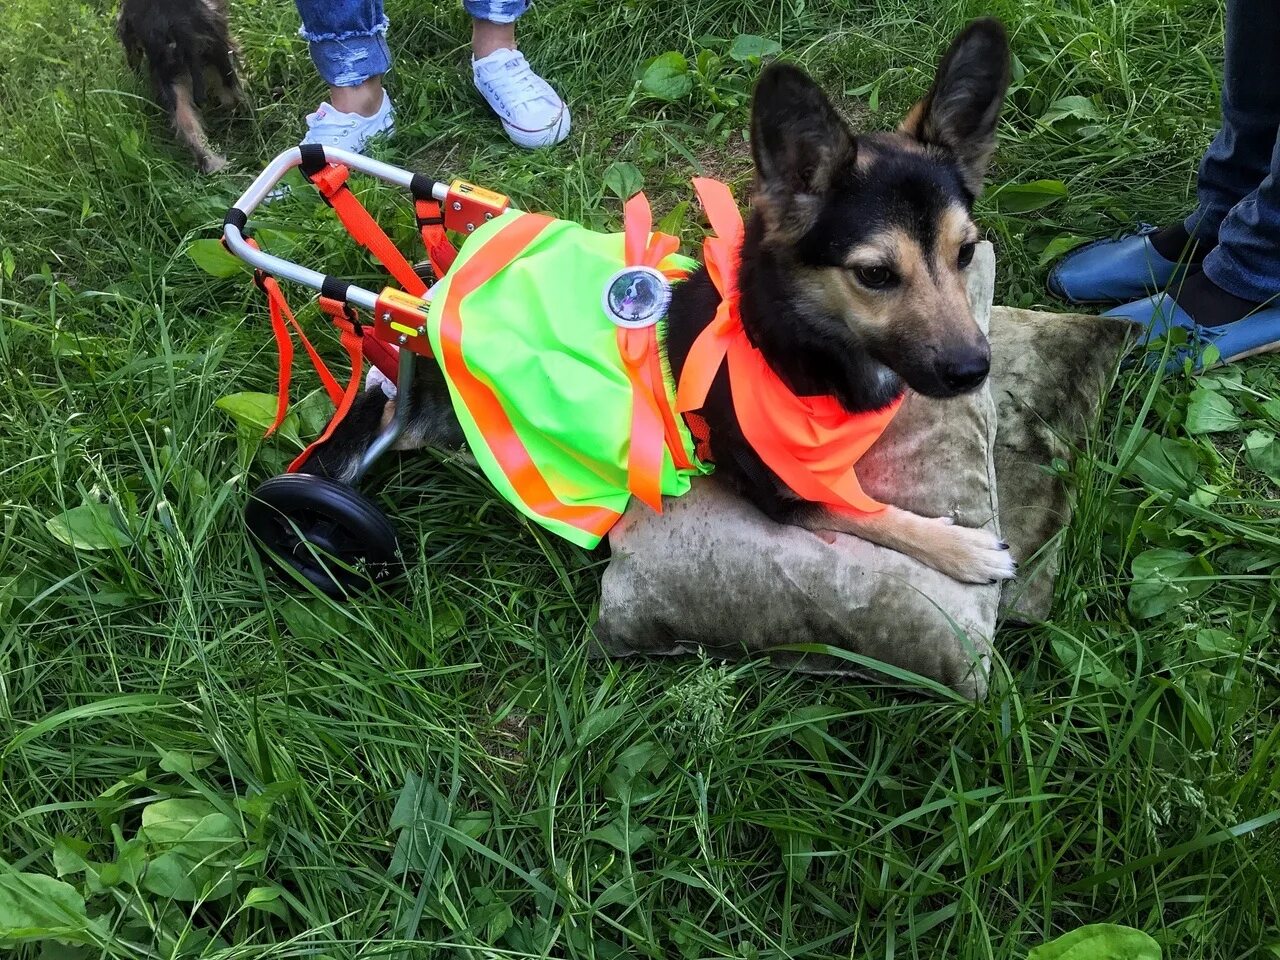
pixel 637 297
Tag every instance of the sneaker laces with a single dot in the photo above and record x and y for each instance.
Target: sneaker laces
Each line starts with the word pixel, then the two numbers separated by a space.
pixel 329 123
pixel 514 82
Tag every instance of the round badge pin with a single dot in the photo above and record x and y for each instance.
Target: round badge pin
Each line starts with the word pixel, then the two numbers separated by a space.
pixel 637 297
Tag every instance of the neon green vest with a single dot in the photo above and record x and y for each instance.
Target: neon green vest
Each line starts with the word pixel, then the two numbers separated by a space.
pixel 532 361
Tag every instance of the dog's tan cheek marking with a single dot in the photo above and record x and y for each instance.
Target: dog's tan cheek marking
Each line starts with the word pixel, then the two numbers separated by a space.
pixel 865 312
pixel 954 231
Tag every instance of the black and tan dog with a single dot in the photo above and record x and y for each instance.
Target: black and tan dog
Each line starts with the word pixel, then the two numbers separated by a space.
pixel 852 283
pixel 186 44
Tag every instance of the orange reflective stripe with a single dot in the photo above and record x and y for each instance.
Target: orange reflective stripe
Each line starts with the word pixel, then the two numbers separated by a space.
pixel 480 400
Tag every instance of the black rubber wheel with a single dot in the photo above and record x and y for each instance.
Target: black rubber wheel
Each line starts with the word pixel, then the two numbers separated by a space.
pixel 330 534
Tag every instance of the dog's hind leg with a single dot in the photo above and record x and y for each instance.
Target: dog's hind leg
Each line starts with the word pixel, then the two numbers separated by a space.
pixel 230 92
pixel 429 422
pixel 967 554
pixel 186 121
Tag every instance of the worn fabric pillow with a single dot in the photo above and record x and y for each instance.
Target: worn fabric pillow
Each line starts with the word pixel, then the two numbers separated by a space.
pixel 1049 375
pixel 712 573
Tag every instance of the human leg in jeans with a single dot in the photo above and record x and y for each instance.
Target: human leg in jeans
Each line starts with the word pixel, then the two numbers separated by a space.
pixel 1238 160
pixel 532 113
pixel 348 45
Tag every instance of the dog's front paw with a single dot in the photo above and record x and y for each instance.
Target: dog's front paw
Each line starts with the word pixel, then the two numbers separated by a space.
pixel 970 554
pixel 212 163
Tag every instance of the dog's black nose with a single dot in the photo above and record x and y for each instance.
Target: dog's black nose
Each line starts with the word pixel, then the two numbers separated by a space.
pixel 962 374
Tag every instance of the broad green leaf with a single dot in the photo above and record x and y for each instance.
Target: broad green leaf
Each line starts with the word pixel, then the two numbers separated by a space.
pixel 170 876
pixel 418 806
pixel 623 835
pixel 667 77
pixel 1210 412
pixel 1025 197
pixel 179 761
pixel 1055 248
pixel 1165 464
pixel 1161 580
pixel 211 257
pixel 189 827
pixel 1080 108
pixel 673 222
pixel 314 411
pixel 474 823
pixel 796 847
pixel 1084 662
pixel 70 856
pixel 267 899
pixel 35 907
pixel 256 412
pixel 624 180
pixel 1262 452
pixel 90 526
pixel 747 46
pixel 599 721
pixel 707 64
pixel 1099 941
pixel 1217 643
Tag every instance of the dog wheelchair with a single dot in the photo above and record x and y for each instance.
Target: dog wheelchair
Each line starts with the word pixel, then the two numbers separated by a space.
pixel 325 532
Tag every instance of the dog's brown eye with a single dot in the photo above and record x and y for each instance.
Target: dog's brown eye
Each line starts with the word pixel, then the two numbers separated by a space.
pixel 966 255
pixel 875 277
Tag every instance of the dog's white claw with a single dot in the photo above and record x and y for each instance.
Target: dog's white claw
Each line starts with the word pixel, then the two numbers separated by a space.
pixel 974 555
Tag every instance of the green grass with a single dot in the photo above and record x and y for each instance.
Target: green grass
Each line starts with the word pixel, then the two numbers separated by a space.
pixel 444 772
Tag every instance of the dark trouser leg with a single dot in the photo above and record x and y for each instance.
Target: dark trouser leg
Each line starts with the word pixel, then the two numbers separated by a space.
pixel 1240 156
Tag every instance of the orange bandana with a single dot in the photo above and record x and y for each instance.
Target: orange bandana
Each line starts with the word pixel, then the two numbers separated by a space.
pixel 811 443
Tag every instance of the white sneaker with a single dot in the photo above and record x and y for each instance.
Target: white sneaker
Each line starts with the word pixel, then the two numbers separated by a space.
pixel 531 112
pixel 350 131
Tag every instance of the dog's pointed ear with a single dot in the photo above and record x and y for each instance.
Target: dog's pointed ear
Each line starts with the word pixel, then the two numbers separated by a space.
pixel 798 140
pixel 961 109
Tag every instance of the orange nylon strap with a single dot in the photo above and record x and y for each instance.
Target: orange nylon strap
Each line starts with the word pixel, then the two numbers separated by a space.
pixel 281 319
pixel 284 348
pixel 440 251
pixel 345 320
pixel 652 428
pixel 720 254
pixel 480 400
pixel 332 184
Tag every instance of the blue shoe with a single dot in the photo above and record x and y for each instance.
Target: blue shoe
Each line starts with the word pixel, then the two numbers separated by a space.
pixel 1113 271
pixel 1257 333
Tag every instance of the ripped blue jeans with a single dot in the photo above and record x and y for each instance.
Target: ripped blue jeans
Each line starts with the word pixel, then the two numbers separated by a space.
pixel 348 38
